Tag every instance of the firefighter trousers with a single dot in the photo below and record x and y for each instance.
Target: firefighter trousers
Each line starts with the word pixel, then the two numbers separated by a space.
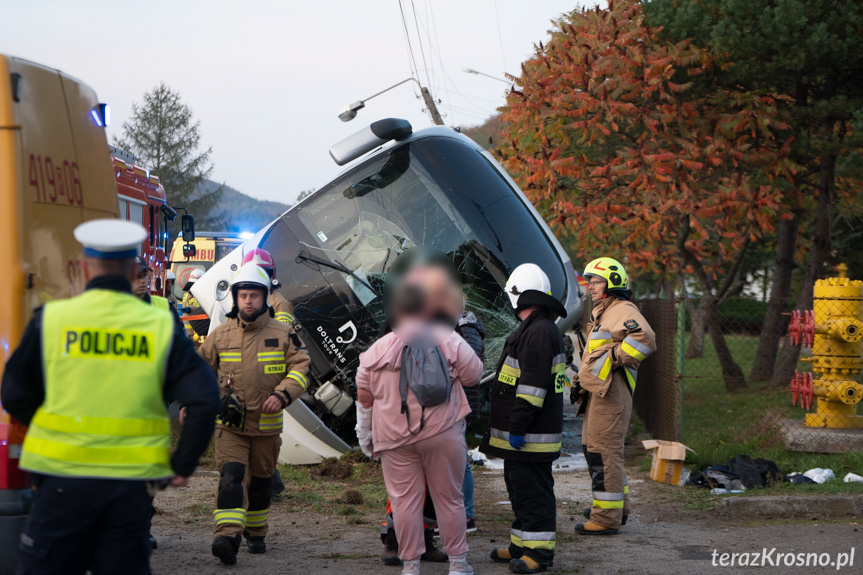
pixel 605 423
pixel 78 525
pixel 531 492
pixel 246 464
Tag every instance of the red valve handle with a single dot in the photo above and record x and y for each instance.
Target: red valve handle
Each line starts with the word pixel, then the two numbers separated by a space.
pixel 803 388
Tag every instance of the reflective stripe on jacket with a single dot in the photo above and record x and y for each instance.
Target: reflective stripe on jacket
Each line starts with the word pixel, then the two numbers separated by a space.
pixel 283 310
pixel 258 359
pixel 527 394
pixel 618 340
pixel 105 355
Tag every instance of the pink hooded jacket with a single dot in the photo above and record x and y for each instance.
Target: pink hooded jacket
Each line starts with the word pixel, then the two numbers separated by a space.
pixel 378 375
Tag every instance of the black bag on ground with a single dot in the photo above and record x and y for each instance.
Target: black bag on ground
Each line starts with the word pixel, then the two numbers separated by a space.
pixel 755 473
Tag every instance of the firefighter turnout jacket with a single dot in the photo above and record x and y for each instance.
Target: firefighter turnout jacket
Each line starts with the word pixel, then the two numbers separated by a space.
pixel 527 394
pixel 618 340
pixel 282 308
pixel 253 361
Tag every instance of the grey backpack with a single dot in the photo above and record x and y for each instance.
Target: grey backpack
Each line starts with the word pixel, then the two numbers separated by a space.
pixel 426 372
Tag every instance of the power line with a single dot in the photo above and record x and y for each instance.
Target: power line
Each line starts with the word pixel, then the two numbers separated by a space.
pixel 408 40
pixel 499 35
pixel 420 40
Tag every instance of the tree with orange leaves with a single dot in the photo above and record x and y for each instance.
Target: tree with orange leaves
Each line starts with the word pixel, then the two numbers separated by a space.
pixel 612 130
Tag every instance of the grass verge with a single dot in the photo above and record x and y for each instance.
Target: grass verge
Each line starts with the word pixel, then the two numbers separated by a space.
pixel 719 425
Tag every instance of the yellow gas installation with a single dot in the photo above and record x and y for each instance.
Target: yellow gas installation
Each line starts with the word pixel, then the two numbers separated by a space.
pixel 834 331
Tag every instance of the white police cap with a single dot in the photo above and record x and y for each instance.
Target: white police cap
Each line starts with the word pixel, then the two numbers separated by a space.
pixel 110 239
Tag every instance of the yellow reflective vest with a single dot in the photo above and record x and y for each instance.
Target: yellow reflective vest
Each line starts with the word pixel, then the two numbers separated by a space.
pixel 105 354
pixel 160 302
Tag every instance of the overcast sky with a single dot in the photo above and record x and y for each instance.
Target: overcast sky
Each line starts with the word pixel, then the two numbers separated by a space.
pixel 267 79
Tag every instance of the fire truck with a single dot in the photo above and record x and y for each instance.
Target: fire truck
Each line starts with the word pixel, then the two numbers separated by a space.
pixel 433 187
pixel 142 200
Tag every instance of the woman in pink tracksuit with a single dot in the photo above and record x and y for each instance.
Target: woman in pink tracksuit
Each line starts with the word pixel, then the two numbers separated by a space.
pixel 436 453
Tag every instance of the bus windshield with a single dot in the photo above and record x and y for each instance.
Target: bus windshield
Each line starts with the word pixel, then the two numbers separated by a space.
pixel 440 193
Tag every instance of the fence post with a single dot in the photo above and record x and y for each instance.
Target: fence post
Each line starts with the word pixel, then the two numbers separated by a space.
pixel 681 355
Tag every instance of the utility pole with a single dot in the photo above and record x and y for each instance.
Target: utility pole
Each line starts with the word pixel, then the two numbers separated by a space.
pixel 438 121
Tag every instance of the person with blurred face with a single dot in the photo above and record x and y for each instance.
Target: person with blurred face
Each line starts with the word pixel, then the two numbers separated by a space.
pixel 418 445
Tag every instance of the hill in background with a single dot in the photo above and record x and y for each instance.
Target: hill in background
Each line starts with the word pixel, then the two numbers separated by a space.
pixel 242 213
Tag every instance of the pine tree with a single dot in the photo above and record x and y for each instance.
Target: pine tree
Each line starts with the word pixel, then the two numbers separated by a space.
pixel 165 137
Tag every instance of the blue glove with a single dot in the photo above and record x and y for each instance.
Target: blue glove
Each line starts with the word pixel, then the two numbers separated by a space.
pixel 517 441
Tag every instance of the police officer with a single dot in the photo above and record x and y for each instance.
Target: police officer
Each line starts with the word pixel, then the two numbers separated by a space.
pixel 527 419
pixel 91 378
pixel 619 339
pixel 141 288
pixel 261 371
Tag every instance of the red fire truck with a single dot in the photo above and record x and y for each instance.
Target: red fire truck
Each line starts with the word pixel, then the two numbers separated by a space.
pixel 142 200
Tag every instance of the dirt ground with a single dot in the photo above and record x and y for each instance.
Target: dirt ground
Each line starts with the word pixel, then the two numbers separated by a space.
pixel 315 528
pixel 661 536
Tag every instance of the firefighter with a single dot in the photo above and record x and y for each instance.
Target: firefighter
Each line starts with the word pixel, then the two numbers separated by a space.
pixel 619 339
pixel 191 308
pixel 283 311
pixel 170 280
pixel 282 308
pixel 91 378
pixel 261 372
pixel 526 423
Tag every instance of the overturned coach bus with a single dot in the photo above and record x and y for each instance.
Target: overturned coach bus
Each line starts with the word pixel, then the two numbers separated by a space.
pixel 435 188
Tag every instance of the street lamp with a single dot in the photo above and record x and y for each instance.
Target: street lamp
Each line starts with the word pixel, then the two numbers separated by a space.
pixel 478 73
pixel 350 112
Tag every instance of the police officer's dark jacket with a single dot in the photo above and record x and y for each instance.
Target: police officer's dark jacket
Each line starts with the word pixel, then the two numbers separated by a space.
pixel 527 394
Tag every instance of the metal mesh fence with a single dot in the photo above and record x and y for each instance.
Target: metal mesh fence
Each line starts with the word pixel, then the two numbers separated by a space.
pixel 723 380
pixel 657 397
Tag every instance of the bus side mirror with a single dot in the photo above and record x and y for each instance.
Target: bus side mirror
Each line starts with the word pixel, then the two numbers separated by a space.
pixel 188 224
pixel 189 250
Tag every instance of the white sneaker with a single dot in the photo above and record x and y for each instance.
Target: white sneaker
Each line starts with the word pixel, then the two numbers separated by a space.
pixel 411 567
pixel 460 568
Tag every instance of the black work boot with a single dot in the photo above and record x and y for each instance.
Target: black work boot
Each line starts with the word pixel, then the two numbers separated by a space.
pixel 432 553
pixel 256 544
pixel 225 548
pixel 390 556
pixel 586 514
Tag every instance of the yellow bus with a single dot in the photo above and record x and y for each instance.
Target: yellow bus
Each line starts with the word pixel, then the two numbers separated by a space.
pixel 55 172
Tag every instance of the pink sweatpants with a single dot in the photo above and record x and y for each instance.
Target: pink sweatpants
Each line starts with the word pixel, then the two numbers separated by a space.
pixel 440 460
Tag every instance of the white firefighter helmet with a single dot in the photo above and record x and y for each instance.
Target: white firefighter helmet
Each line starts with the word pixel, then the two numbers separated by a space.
pixel 194 275
pixel 170 276
pixel 529 286
pixel 251 276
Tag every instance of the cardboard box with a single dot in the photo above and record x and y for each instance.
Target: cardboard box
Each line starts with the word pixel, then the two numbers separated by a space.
pixel 668 458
